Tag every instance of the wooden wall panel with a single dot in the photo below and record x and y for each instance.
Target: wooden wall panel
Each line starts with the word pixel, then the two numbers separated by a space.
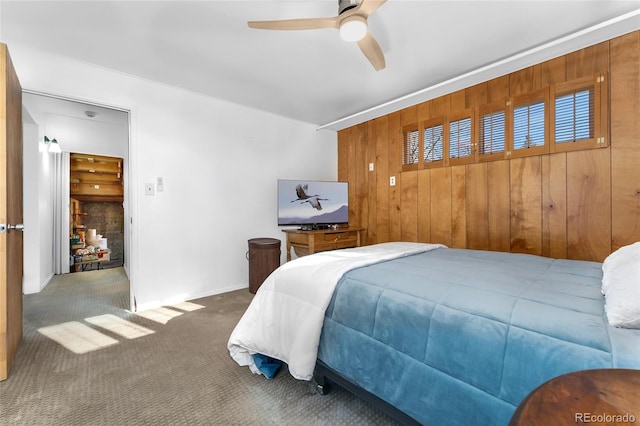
pixel 580 204
pixel 525 81
pixel 553 71
pixel 499 205
pixel 554 206
pixel 343 154
pixel 625 139
pixel 458 101
pixel 424 206
pixel 382 183
pixel 440 106
pixel 476 95
pixel 361 176
pixel 441 210
pixel 498 89
pixel 588 61
pixel 424 111
pixel 477 206
pixel 371 233
pixel 526 198
pixel 395 169
pixel 409 205
pixel 589 204
pixel 458 210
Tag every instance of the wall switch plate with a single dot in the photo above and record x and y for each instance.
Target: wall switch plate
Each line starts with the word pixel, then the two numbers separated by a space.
pixel 392 181
pixel 160 184
pixel 149 189
pixel 370 167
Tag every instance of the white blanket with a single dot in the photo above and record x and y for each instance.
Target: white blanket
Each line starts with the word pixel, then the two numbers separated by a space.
pixel 285 318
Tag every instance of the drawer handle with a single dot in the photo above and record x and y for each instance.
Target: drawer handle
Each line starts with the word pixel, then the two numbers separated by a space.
pixel 337 238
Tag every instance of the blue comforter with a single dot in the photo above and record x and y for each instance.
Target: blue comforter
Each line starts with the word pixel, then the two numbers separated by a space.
pixel 462 336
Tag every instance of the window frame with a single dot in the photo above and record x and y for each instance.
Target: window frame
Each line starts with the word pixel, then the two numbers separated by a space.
pixel 433 122
pixel 492 108
pixel 471 158
pixel 405 131
pixel 600 127
pixel 513 103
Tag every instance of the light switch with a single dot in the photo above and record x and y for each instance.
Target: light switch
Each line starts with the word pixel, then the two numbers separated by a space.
pixel 392 181
pixel 370 167
pixel 160 184
pixel 149 189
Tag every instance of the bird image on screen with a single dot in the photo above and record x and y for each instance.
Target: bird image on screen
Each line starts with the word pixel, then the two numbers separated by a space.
pixel 312 202
pixel 303 197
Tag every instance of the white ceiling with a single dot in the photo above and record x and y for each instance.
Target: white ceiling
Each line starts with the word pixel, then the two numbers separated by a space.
pixel 313 76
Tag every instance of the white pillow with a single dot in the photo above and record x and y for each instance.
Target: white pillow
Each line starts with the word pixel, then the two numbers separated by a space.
pixel 621 286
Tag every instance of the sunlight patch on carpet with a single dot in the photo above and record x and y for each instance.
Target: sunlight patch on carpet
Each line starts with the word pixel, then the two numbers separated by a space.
pixel 160 315
pixel 187 306
pixel 77 337
pixel 120 326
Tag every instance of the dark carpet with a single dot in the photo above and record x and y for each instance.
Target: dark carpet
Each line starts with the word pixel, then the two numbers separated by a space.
pixel 181 374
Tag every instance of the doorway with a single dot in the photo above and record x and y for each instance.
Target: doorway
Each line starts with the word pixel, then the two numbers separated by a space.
pixel 77 127
pixel 96 214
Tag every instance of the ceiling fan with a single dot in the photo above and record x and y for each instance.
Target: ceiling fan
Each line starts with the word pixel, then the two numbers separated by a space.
pixel 351 21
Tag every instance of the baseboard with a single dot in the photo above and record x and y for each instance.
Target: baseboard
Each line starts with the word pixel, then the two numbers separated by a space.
pixel 188 297
pixel 46 282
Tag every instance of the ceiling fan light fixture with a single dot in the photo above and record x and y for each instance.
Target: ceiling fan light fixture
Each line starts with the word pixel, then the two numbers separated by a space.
pixel 353 28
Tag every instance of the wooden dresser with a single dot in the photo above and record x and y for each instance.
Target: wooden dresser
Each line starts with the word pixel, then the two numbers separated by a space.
pixel 309 242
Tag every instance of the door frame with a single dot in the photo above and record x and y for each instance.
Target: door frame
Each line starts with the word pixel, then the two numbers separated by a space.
pixel 130 208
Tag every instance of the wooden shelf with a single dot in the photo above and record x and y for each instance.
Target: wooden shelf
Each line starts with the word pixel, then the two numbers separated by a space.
pixel 96 178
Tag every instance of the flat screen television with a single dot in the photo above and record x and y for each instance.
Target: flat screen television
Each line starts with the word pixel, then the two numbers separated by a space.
pixel 312 204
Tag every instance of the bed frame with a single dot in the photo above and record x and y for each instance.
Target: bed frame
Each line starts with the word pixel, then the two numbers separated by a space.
pixel 324 376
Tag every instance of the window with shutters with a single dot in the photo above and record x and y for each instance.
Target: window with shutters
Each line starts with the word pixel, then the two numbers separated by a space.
pixel 460 140
pixel 492 132
pixel 574 116
pixel 528 124
pixel 433 143
pixel 411 146
pixel 577 114
pixel 562 117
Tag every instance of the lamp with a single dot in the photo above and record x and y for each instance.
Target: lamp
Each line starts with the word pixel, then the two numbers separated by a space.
pixel 353 28
pixel 53 145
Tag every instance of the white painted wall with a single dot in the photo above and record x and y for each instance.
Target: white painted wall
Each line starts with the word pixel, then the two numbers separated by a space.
pixel 37 203
pixel 220 163
pixel 90 137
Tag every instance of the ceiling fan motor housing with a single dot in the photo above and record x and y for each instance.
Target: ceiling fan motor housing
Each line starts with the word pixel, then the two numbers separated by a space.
pixel 344 5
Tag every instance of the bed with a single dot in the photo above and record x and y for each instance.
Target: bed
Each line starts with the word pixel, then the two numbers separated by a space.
pixel 438 335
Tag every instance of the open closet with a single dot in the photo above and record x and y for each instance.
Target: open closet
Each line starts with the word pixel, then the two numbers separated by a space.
pixel 96 214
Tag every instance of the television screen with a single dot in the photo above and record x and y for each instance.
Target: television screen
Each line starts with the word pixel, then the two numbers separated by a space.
pixel 307 202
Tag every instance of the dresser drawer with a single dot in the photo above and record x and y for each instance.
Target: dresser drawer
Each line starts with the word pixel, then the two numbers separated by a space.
pixel 345 239
pixel 306 242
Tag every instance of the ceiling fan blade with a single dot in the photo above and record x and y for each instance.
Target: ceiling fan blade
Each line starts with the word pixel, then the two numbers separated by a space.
pixel 372 51
pixel 296 24
pixel 369 6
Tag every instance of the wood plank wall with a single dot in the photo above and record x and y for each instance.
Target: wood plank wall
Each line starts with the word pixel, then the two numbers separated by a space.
pixel 575 205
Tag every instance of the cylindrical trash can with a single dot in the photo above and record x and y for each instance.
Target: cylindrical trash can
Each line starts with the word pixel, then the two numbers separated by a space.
pixel 264 258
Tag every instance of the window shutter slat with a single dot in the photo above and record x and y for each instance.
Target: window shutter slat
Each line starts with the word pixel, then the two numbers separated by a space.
pixel 460 138
pixel 433 143
pixel 574 116
pixel 492 132
pixel 528 125
pixel 410 152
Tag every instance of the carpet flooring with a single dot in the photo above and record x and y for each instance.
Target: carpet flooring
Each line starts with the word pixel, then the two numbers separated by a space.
pixel 86 360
